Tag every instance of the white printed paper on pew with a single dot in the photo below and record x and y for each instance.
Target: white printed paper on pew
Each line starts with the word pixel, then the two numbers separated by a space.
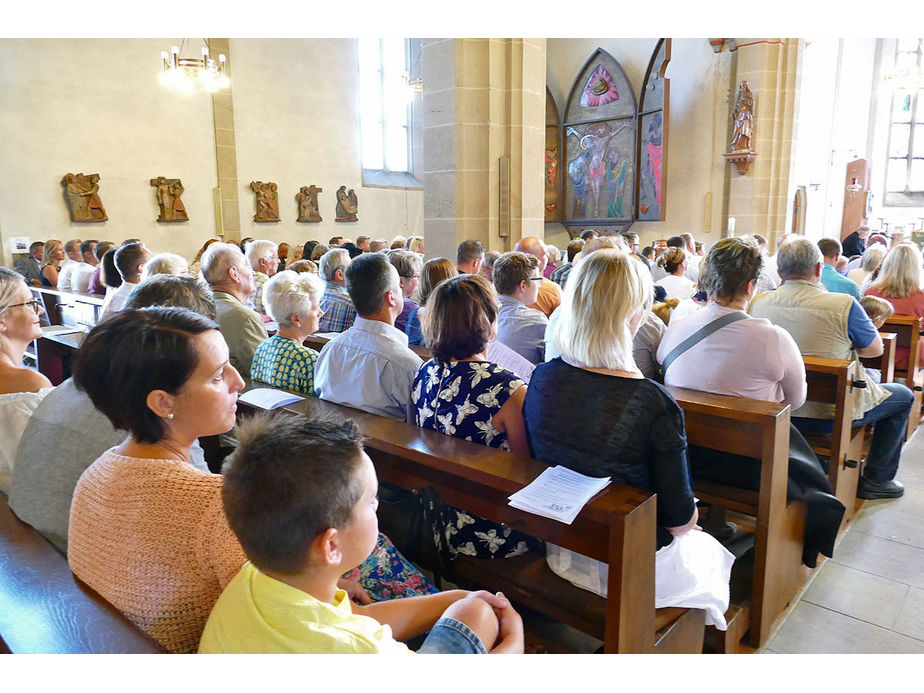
pixel 558 493
pixel 268 398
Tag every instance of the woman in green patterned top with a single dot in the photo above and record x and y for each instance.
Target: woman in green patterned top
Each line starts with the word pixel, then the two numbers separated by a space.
pixel 292 300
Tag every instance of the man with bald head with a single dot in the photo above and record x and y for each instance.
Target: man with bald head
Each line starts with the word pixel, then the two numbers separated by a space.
pixel 549 292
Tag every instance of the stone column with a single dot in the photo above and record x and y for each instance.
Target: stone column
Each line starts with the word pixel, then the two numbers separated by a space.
pixel 227 212
pixel 484 115
pixel 760 200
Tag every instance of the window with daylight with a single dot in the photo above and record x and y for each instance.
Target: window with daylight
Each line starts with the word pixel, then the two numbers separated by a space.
pixel 905 167
pixel 386 102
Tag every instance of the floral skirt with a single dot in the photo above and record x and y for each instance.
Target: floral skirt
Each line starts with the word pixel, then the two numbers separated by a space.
pixel 386 574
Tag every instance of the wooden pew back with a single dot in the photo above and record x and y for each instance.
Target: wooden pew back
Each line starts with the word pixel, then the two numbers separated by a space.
pixel 758 430
pixel 617 527
pixel 907 329
pixel 833 380
pixel 885 363
pixel 45 609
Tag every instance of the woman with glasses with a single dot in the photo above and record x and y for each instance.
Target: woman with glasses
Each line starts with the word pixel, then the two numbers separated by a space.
pixel 21 389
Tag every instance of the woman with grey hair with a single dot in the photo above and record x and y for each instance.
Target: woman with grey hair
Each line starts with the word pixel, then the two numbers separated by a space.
pixel 872 258
pixel 292 299
pixel 165 263
pixel 409 266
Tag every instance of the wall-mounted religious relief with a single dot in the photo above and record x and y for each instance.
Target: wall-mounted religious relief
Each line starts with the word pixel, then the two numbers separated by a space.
pixel 347 204
pixel 653 114
pixel 83 199
pixel 740 151
pixel 168 199
pixel 552 178
pixel 308 203
pixel 267 201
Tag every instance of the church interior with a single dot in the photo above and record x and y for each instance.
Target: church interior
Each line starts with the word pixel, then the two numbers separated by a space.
pixel 482 138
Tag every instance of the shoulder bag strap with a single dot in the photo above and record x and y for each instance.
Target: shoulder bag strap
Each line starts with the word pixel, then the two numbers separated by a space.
pixel 700 335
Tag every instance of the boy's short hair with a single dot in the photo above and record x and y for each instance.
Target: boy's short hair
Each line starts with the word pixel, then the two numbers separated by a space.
pixel 290 479
pixel 877 308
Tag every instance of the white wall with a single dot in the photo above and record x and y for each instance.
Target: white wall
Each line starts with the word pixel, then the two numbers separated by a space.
pixel 96 106
pixel 296 115
pixel 698 125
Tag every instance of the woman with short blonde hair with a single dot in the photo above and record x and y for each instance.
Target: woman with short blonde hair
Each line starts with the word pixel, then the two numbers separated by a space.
pixel 630 430
pixel 607 298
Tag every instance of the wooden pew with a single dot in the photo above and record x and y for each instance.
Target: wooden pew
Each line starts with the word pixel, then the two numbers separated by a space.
pixel 833 380
pixel 45 609
pixel 76 309
pixel 758 430
pixel 618 527
pixel 907 329
pixel 885 363
pixel 317 342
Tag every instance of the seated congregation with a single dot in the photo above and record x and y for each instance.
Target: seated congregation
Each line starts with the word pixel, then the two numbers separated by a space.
pixel 268 540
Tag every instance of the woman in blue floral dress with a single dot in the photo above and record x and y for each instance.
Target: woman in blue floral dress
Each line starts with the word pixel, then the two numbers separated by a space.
pixel 460 393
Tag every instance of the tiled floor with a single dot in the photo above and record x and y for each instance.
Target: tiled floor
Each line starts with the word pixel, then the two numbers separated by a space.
pixel 869 598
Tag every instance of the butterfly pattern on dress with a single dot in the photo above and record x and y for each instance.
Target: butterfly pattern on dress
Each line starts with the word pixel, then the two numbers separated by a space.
pixel 460 399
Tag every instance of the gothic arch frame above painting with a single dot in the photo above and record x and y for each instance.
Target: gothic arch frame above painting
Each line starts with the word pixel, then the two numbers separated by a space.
pixel 598 143
pixel 606 156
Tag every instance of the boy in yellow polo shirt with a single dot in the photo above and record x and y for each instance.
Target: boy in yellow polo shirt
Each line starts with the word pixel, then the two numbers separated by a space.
pixel 301 497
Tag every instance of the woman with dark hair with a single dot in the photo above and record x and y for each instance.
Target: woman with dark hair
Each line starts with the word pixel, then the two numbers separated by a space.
pixel 307 249
pixel 676 285
pixel 110 274
pixel 460 393
pixel 774 372
pixel 147 529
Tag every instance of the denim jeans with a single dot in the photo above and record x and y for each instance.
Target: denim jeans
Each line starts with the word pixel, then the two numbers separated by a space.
pixel 891 418
pixel 450 636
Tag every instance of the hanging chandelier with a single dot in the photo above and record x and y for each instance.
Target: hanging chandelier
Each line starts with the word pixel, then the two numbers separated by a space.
pixel 184 73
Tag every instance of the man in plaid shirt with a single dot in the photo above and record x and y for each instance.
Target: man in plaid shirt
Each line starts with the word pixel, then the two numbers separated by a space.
pixel 339 312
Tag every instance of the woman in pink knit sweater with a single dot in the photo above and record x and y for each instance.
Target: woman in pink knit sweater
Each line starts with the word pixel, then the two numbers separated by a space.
pixel 147 529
